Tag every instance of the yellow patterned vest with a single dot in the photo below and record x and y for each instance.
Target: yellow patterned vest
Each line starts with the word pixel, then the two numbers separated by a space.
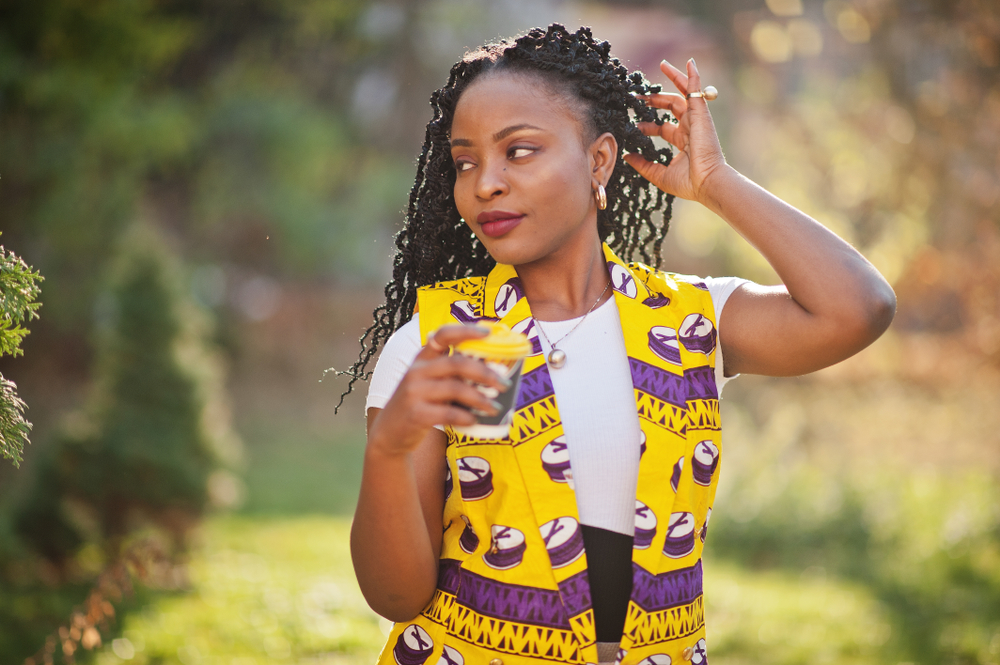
pixel 512 587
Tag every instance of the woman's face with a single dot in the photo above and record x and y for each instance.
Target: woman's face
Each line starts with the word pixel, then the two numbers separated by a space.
pixel 525 171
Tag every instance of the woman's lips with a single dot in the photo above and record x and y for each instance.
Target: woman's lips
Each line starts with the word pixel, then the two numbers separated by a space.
pixel 496 226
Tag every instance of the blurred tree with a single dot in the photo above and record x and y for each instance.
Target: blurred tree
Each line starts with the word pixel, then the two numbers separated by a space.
pixel 223 120
pixel 149 448
pixel 18 291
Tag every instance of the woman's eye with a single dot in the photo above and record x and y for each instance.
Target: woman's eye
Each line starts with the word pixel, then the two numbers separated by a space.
pixel 519 152
pixel 463 166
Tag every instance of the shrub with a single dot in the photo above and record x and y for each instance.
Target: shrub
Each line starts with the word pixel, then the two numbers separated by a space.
pixel 18 291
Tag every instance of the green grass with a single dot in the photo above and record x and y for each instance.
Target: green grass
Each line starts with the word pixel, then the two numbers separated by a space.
pixel 262 591
pixel 295 472
pixel 777 618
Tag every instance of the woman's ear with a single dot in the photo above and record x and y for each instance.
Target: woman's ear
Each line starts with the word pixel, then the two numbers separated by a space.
pixel 603 156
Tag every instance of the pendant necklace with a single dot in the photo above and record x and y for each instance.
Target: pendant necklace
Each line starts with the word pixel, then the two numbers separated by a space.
pixel 557 357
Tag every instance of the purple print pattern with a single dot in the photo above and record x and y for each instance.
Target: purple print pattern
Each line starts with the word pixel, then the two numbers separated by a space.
pixel 535 385
pixel 697 383
pixel 671 589
pixel 513 602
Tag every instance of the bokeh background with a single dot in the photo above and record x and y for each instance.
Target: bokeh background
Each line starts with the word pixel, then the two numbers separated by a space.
pixel 210 190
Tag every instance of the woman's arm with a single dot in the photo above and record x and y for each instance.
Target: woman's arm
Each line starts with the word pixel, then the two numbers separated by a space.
pixel 833 302
pixel 396 533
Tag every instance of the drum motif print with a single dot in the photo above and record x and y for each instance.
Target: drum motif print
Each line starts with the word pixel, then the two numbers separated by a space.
pixel 450 656
pixel 656 301
pixel 507 547
pixel 697 334
pixel 475 478
pixel 622 280
pixel 656 659
pixel 563 539
pixel 528 328
pixel 555 460
pixel 464 312
pixel 468 541
pixel 645 526
pixel 664 343
pixel 507 296
pixel 675 477
pixel 700 653
pixel 680 535
pixel 413 647
pixel 704 462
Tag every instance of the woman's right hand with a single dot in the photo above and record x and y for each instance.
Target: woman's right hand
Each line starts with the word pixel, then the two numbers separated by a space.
pixel 396 534
pixel 432 389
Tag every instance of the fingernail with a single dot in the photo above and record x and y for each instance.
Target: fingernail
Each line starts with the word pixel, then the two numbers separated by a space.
pixel 480 329
pixel 496 405
pixel 504 381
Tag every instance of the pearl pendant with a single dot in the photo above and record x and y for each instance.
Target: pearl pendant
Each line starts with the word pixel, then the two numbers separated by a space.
pixel 557 358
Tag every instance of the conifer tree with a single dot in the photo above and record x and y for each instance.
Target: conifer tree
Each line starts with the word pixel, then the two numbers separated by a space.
pixel 18 292
pixel 155 430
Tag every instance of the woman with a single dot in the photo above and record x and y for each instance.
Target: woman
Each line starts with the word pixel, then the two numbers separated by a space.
pixel 579 538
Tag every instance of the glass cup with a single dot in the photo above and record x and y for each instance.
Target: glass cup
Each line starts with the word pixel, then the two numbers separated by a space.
pixel 503 351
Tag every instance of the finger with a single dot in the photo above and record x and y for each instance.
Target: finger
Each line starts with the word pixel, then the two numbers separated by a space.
pixel 461 367
pixel 668 131
pixel 694 83
pixel 649 128
pixel 671 101
pixel 651 171
pixel 456 390
pixel 448 415
pixel 676 76
pixel 446 336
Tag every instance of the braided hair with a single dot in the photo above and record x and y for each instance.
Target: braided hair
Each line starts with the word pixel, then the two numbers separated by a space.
pixel 435 245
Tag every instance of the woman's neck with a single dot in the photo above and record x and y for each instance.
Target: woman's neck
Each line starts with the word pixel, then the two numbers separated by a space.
pixel 567 283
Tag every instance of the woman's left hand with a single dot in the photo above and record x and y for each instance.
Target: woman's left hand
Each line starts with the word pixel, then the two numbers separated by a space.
pixel 698 155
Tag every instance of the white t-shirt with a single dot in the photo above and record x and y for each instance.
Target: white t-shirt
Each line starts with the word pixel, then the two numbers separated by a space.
pixel 596 402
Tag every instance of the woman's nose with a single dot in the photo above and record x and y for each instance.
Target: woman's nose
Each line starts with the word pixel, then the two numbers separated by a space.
pixel 492 180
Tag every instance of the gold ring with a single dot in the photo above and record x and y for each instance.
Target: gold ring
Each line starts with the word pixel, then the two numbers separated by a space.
pixel 709 94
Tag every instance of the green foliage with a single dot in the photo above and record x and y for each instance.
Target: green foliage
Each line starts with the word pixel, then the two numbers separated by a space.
pixel 232 117
pixel 155 430
pixel 18 293
pixel 926 549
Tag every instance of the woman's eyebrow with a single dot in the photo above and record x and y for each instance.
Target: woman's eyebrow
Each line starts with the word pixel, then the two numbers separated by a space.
pixel 499 136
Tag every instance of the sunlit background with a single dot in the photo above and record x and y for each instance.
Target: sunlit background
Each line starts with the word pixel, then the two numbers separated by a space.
pixel 210 190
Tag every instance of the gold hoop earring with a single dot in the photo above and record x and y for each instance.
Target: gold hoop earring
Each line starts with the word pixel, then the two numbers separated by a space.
pixel 602 197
